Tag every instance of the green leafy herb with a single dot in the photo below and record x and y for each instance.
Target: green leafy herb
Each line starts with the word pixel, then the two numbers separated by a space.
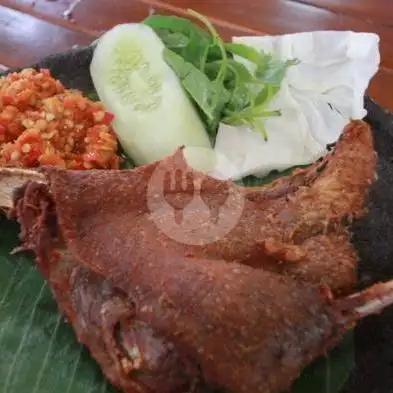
pixel 127 162
pixel 210 96
pixel 93 96
pixel 216 41
pixel 274 72
pixel 222 88
pixel 267 78
pixel 246 52
pixel 174 30
pixel 265 95
pixel 241 74
pixel 177 24
pixel 173 40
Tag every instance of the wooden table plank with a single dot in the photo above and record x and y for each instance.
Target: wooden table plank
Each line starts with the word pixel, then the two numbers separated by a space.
pixel 49 10
pixel 94 17
pixel 381 88
pixel 378 12
pixel 25 39
pixel 285 16
pixel 270 16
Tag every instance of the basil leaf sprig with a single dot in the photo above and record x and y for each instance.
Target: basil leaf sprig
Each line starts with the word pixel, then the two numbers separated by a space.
pixel 222 88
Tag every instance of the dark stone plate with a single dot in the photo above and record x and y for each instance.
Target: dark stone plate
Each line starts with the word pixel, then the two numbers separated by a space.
pixel 373 236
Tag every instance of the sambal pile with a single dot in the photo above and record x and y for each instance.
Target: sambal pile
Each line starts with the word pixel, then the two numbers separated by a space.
pixel 43 123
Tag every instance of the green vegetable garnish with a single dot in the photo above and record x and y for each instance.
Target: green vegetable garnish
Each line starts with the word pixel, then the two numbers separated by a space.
pixel 223 89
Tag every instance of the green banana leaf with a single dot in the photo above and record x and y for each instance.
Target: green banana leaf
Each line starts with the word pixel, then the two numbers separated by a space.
pixel 38 349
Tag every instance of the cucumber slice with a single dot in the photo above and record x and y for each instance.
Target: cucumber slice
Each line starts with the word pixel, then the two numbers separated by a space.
pixel 153 114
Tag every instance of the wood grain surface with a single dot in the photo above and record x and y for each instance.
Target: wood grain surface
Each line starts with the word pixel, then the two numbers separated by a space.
pixel 31 29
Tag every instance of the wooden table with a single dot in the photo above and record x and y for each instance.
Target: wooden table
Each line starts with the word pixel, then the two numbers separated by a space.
pixel 31 29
